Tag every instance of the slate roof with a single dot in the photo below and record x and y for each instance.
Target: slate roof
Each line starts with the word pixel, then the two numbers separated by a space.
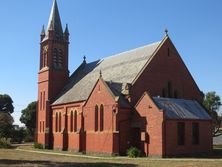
pixel 55 22
pixel 181 109
pixel 116 70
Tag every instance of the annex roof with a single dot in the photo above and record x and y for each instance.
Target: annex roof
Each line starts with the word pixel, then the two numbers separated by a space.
pixel 181 109
pixel 119 69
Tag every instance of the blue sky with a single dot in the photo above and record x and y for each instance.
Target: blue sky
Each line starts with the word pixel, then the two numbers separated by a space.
pixel 99 28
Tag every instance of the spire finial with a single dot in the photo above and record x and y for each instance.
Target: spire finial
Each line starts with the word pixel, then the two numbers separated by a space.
pixel 84 59
pixel 100 74
pixel 166 32
pixel 43 30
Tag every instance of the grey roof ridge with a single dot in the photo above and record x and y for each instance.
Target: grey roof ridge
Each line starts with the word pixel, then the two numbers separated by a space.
pixel 78 68
pixel 114 55
pixel 70 77
pixel 131 50
pixel 150 58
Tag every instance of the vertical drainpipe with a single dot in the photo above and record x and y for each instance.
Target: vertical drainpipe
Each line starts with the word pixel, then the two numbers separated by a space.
pixel 115 111
pixel 164 134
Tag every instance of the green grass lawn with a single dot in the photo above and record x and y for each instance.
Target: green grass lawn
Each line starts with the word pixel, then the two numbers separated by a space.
pixel 13 157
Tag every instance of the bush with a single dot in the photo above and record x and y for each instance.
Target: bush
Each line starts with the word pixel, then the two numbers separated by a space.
pixel 38 146
pixel 133 152
pixel 28 139
pixel 5 143
pixel 18 135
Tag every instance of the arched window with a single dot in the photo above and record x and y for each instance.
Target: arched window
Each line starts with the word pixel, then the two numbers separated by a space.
pixel 40 126
pixel 169 87
pixel 101 117
pixel 57 58
pixel 75 121
pixel 60 122
pixel 175 94
pixel 44 56
pixel 44 59
pixel 71 121
pixel 163 93
pixel 96 118
pixel 168 52
pixel 43 101
pixel 40 101
pixel 43 126
pixel 56 124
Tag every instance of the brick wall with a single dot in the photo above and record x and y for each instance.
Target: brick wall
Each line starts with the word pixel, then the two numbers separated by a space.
pixel 100 141
pixel 163 69
pixel 123 127
pixel 65 139
pixel 152 126
pixel 205 138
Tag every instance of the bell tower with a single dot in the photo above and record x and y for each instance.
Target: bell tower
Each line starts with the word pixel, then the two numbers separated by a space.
pixel 53 73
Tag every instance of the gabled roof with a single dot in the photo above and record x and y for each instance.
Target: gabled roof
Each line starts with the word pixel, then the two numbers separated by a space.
pixel 117 97
pixel 181 109
pixel 119 69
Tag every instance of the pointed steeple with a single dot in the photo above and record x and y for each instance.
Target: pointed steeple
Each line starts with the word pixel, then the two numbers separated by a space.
pixel 54 23
pixel 66 33
pixel 43 31
pixel 66 30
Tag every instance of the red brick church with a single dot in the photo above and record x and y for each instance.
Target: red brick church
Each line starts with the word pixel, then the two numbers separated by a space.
pixel 144 97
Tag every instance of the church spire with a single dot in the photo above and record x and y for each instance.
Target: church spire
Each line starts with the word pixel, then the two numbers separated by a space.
pixel 43 30
pixel 66 30
pixel 54 23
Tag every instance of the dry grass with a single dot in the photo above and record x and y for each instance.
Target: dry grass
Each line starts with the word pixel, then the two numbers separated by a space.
pixel 12 157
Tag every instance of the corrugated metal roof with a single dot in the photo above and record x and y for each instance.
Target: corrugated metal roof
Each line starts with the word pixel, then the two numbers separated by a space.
pixel 120 68
pixel 181 109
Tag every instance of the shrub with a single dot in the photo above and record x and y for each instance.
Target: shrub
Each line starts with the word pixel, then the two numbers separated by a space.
pixel 38 146
pixel 133 152
pixel 17 135
pixel 5 143
pixel 28 139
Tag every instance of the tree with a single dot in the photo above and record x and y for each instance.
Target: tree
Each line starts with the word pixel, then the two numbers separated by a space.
pixel 212 103
pixel 28 117
pixel 6 127
pixel 6 120
pixel 6 104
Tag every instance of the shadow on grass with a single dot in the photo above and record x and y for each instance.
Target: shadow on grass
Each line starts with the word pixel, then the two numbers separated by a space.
pixel 24 163
pixel 216 153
